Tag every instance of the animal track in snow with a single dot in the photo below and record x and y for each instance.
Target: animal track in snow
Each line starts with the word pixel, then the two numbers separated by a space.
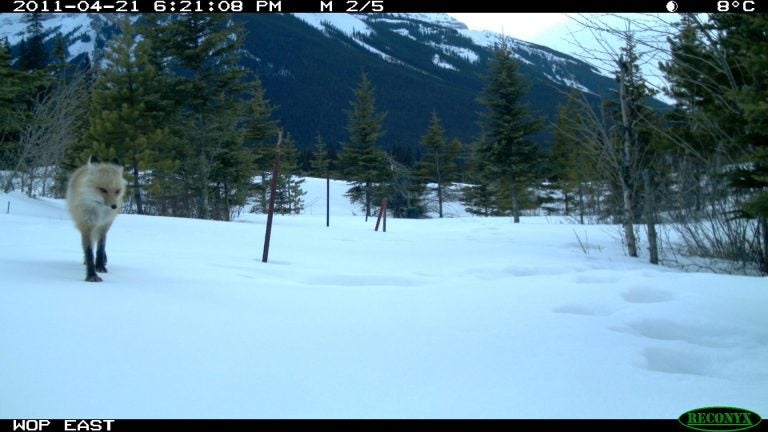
pixel 703 335
pixel 647 295
pixel 363 281
pixel 584 309
pixel 676 361
pixel 596 278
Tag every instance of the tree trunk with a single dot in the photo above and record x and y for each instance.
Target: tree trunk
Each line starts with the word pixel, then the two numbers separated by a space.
pixel 650 218
pixel 581 203
pixel 440 199
pixel 626 159
pixel 763 221
pixel 137 187
pixel 367 200
pixel 515 205
pixel 203 208
pixel 565 201
pixel 225 216
pixel 439 185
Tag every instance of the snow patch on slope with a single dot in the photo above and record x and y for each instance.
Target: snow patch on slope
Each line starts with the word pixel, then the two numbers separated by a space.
pixel 346 23
pixel 404 32
pixel 460 52
pixel 439 62
pixel 440 19
pixel 75 25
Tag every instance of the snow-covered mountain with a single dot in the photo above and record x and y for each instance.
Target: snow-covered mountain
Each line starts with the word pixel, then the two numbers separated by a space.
pixel 310 62
pixel 416 26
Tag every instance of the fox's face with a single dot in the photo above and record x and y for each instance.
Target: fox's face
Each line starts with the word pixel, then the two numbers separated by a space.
pixel 108 183
pixel 111 196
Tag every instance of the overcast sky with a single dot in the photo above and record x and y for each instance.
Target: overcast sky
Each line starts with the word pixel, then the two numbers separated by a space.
pixel 542 28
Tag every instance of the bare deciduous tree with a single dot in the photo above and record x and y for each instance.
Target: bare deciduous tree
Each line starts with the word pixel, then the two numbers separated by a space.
pixel 58 116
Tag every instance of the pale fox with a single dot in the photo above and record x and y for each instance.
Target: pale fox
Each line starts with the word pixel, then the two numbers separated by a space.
pixel 94 197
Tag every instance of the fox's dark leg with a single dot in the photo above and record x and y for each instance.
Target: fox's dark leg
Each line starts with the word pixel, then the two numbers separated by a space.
pixel 101 252
pixel 90 272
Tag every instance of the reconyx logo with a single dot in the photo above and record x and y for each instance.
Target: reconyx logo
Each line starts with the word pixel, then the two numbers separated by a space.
pixel 715 419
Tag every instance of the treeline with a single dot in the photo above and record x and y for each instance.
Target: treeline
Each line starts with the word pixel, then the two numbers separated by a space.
pixel 702 166
pixel 43 105
pixel 194 128
pixel 169 100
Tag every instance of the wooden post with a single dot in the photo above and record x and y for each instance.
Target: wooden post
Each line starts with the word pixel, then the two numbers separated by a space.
pixel 384 204
pixel 382 213
pixel 272 193
pixel 327 197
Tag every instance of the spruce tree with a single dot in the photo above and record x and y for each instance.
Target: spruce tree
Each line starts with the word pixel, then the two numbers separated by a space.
pixel 202 52
pixel 322 163
pixel 513 159
pixel 690 73
pixel 260 128
pixel 482 197
pixel 126 117
pixel 438 162
pixel 32 51
pixel 59 66
pixel 362 162
pixel 744 38
pixel 289 199
pixel 570 161
pixel 260 133
pixel 717 75
pixel 14 96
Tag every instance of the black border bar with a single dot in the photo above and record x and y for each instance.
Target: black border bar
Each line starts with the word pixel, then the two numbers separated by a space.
pixel 388 6
pixel 340 425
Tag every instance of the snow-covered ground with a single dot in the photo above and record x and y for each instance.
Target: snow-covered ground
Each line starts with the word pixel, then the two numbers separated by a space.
pixel 460 317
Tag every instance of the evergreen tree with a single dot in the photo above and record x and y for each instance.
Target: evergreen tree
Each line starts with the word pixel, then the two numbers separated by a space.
pixel 259 126
pixel 202 53
pixel 321 161
pixel 483 197
pixel 59 55
pixel 289 193
pixel 403 191
pixel 362 163
pixel 512 157
pixel 438 163
pixel 717 76
pixel 744 38
pixel 691 74
pixel 21 93
pixel 32 51
pixel 260 131
pixel 14 95
pixel 126 119
pixel 231 169
pixel 570 162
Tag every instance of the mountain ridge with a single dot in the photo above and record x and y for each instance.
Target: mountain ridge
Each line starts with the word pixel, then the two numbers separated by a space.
pixel 309 64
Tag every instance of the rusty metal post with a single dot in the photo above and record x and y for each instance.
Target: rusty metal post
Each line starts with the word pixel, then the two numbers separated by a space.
pixel 382 213
pixel 384 205
pixel 272 193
